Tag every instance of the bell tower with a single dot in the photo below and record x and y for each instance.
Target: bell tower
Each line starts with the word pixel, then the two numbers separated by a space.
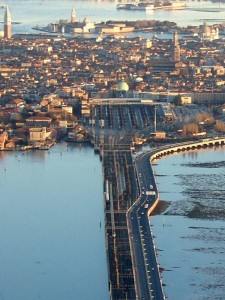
pixel 176 47
pixel 7 24
pixel 73 16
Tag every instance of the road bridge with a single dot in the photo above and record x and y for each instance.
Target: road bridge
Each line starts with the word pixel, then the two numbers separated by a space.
pixel 144 256
pixel 146 269
pixel 148 282
pixel 187 146
pixel 134 271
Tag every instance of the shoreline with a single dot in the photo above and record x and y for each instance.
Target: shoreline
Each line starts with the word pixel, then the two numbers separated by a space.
pixel 160 208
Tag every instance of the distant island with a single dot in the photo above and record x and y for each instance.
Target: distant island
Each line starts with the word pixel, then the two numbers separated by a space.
pixel 111 27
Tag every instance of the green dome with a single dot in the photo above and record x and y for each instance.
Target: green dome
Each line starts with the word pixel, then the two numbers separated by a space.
pixel 122 86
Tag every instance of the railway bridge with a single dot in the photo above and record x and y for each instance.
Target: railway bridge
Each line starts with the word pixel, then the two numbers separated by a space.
pixel 131 195
pixel 187 146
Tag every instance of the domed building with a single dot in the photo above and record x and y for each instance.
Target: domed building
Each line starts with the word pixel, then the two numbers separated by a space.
pixel 121 90
pixel 122 86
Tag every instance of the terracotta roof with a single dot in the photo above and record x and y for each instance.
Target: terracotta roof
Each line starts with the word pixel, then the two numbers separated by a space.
pixel 39 118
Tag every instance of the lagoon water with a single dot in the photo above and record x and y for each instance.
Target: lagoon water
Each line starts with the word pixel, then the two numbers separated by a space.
pixel 42 12
pixel 51 206
pixel 190 236
pixel 52 246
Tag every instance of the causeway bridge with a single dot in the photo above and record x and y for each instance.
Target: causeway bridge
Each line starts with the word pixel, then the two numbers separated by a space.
pixel 187 146
pixel 146 269
pixel 131 195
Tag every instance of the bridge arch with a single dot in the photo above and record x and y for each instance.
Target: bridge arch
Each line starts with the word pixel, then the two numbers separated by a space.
pixel 178 148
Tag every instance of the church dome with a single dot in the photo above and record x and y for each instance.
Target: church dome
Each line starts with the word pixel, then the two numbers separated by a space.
pixel 122 86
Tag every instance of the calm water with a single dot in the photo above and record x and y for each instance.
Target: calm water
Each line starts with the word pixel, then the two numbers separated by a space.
pixel 190 237
pixel 42 12
pixel 52 246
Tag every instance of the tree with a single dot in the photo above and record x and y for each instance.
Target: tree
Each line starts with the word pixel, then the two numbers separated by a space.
pixel 220 125
pixel 190 129
pixel 5 99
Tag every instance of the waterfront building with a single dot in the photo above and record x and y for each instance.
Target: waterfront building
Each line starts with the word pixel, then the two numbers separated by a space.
pixel 3 139
pixel 113 28
pixel 37 134
pixel 84 27
pixel 7 24
pixel 209 32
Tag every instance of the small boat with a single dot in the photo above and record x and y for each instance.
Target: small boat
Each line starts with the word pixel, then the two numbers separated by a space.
pixel 120 6
pixel 44 147
pixel 142 6
pixel 170 5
